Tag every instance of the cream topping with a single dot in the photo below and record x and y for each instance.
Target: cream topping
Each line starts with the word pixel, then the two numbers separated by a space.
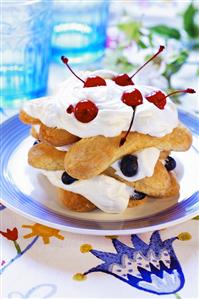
pixel 108 194
pixel 147 159
pixel 113 115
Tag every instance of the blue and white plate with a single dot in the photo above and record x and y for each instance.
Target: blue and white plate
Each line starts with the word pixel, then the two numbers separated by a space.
pixel 28 193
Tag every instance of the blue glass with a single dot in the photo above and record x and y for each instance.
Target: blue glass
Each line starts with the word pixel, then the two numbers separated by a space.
pixel 26 28
pixel 79 30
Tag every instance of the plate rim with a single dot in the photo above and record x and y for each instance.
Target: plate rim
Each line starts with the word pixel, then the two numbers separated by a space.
pixel 103 231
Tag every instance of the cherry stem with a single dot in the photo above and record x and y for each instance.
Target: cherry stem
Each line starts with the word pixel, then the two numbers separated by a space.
pixel 65 61
pixel 188 90
pixel 123 139
pixel 161 48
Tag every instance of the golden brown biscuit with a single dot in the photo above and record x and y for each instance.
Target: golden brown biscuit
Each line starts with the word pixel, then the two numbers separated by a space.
pixel 156 185
pixel 34 133
pixel 79 203
pixel 27 119
pixel 133 202
pixel 91 156
pixel 174 188
pixel 44 156
pixel 74 201
pixel 55 136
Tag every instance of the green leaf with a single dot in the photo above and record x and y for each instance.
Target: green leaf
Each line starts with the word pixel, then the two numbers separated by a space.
pixel 131 30
pixel 166 31
pixel 189 23
pixel 175 64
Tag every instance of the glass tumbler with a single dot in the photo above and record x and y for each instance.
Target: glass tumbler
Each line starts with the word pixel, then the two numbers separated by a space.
pixel 25 49
pixel 79 29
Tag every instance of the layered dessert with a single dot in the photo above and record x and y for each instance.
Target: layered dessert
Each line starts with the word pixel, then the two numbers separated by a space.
pixel 106 143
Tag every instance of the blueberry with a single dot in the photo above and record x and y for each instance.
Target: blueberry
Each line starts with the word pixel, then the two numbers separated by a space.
pixel 67 179
pixel 170 163
pixel 138 195
pixel 36 142
pixel 129 165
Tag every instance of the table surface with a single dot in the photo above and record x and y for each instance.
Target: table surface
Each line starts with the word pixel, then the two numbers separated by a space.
pixel 45 263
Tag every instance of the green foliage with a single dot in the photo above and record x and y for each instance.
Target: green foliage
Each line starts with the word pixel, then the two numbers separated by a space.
pixel 166 31
pixel 190 26
pixel 131 30
pixel 175 63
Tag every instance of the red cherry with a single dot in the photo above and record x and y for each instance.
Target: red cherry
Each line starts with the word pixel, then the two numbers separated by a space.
pixel 161 48
pixel 85 111
pixel 158 98
pixel 65 61
pixel 123 80
pixel 133 98
pixel 123 139
pixel 94 81
pixel 70 109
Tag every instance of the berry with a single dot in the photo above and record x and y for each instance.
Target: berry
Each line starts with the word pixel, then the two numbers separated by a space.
pixel 94 82
pixel 67 179
pixel 138 195
pixel 90 82
pixel 133 98
pixel 161 48
pixel 85 111
pixel 129 165
pixel 123 80
pixel 170 163
pixel 158 98
pixel 65 61
pixel 70 109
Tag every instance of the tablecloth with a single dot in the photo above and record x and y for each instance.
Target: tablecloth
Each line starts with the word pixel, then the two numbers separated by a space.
pixel 39 262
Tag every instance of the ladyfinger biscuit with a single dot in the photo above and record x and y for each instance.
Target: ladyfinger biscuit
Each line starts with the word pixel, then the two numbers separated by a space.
pixel 46 157
pixel 27 119
pixel 34 133
pixel 55 136
pixel 74 201
pixel 91 156
pixel 156 185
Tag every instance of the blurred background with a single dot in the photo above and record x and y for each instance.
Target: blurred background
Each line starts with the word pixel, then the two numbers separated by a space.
pixel 117 35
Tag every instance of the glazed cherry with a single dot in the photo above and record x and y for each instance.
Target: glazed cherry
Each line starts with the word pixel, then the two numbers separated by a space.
pixel 70 109
pixel 65 61
pixel 67 179
pixel 138 195
pixel 129 165
pixel 90 82
pixel 132 98
pixel 94 82
pixel 158 98
pixel 124 79
pixel 85 111
pixel 170 163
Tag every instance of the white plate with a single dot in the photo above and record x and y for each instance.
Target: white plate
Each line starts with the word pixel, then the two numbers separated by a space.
pixel 27 192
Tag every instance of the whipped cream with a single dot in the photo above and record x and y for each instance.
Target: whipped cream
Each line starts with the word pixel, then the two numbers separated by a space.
pixel 36 128
pixel 113 115
pixel 108 194
pixel 146 159
pixel 64 148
